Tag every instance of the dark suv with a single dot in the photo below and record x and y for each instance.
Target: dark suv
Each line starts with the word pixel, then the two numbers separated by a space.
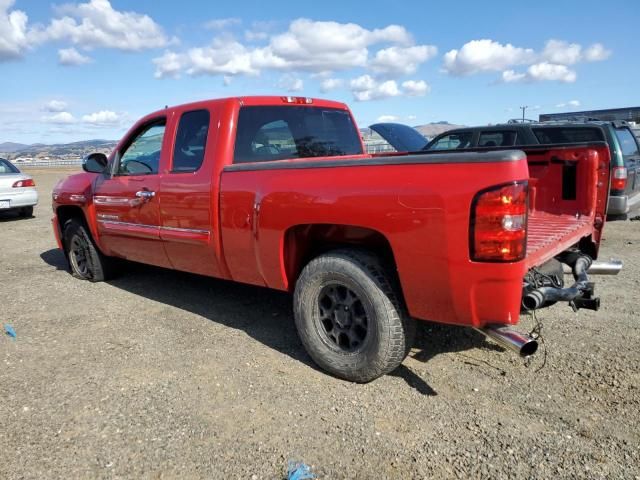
pixel 625 156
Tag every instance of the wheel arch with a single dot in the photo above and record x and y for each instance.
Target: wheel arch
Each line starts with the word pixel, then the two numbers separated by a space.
pixel 302 243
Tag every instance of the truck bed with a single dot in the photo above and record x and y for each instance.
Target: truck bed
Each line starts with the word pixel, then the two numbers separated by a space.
pixel 550 233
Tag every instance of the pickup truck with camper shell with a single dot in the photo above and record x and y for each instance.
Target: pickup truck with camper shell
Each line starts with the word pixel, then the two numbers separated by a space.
pixel 278 192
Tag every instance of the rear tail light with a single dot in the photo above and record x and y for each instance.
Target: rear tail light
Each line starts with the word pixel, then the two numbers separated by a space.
pixel 24 183
pixel 498 231
pixel 619 178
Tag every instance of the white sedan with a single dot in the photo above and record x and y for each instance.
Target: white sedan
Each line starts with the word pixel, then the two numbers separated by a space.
pixel 17 190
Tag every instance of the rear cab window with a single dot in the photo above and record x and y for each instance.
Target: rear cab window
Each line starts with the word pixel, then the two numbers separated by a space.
pixel 497 138
pixel 268 133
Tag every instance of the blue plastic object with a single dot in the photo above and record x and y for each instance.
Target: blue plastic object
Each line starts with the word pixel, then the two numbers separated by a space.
pixel 10 331
pixel 299 471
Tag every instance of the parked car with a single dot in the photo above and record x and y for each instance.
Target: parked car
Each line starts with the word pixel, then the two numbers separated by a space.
pixel 17 190
pixel 625 157
pixel 278 192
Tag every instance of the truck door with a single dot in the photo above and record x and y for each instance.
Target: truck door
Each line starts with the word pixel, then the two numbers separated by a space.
pixel 126 202
pixel 189 193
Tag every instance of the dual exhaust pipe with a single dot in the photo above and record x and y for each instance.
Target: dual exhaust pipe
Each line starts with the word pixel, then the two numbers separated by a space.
pixel 523 344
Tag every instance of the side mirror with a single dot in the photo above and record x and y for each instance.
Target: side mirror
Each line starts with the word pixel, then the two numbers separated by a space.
pixel 95 163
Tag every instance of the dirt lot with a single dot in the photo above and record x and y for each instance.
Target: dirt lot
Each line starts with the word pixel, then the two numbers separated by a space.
pixel 160 374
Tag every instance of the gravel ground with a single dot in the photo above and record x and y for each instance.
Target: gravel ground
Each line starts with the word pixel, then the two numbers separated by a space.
pixel 161 374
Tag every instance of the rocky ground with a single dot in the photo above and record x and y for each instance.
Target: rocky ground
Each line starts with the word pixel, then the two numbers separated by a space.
pixel 160 374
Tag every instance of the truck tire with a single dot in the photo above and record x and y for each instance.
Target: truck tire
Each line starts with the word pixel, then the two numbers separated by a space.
pixel 85 260
pixel 349 317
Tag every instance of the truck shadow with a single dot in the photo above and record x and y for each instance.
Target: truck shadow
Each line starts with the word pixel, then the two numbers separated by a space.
pixel 263 314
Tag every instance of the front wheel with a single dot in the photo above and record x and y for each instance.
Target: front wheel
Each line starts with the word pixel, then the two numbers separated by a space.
pixel 85 260
pixel 349 318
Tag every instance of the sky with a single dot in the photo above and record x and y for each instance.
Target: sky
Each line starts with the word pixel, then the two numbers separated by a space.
pixel 78 70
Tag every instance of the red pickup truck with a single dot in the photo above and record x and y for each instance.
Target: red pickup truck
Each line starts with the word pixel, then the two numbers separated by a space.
pixel 278 192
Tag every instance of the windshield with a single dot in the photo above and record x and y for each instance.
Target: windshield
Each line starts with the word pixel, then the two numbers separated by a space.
pixel 627 142
pixel 286 132
pixel 7 168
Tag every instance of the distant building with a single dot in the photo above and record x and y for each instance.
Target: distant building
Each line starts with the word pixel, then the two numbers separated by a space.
pixel 629 114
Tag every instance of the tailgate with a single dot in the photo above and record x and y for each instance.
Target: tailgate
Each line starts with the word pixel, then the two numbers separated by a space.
pixel 568 192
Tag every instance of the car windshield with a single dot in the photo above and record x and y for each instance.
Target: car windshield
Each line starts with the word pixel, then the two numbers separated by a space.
pixel 627 142
pixel 7 168
pixel 552 135
pixel 286 132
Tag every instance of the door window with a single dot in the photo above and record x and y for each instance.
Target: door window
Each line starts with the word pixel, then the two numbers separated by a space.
pixel 191 140
pixel 453 141
pixel 496 138
pixel 142 156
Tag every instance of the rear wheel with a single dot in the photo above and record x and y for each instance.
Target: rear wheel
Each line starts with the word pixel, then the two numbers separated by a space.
pixel 349 318
pixel 85 260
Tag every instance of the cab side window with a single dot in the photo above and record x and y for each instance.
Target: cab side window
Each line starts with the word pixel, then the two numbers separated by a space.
pixel 191 141
pixel 142 155
pixel 453 141
pixel 497 138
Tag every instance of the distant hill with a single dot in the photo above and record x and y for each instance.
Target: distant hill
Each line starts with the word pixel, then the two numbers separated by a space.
pixel 10 147
pixel 80 149
pixel 431 130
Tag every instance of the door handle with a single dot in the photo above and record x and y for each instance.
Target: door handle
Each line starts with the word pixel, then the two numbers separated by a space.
pixel 145 195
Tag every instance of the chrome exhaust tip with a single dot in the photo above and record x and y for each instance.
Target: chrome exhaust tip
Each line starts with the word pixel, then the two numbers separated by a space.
pixel 612 267
pixel 523 344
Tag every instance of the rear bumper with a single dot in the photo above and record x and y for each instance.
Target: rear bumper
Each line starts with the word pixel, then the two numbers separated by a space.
pixel 26 198
pixel 622 204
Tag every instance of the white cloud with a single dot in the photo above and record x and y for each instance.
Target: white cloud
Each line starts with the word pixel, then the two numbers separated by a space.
pixel 222 23
pixel 329 84
pixel 365 88
pixel 511 76
pixel 539 72
pixel 485 55
pixel 596 53
pixel 223 57
pixel 55 106
pixel 72 57
pixel 96 24
pixel 402 60
pixel 306 46
pixel 411 117
pixel 570 103
pixel 550 71
pixel 551 64
pixel 561 52
pixel 169 65
pixel 388 118
pixel 291 83
pixel 413 88
pixel 103 117
pixel 14 36
pixel 62 118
